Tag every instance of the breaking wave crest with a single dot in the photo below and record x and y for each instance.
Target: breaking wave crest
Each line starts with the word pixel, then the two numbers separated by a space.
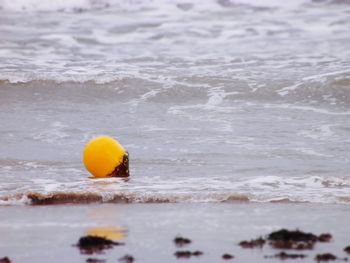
pixel 148 189
pixel 327 90
pixel 259 190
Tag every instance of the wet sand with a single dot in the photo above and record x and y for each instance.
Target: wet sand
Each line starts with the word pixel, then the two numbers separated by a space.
pixel 49 233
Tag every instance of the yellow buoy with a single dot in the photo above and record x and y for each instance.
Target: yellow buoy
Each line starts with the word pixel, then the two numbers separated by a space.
pixel 106 157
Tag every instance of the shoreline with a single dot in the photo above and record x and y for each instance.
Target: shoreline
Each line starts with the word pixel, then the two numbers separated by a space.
pixel 37 198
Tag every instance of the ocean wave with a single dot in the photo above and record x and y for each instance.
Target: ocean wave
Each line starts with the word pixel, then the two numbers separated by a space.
pixel 329 90
pixel 86 5
pixel 47 5
pixel 179 48
pixel 274 189
pixel 59 198
pixel 79 6
pixel 36 198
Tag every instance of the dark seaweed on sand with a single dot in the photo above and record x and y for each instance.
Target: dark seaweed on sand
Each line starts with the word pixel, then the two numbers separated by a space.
pixel 287 235
pixel 95 260
pixel 286 239
pixel 5 260
pixel 283 255
pixel 325 257
pixel 183 254
pixel 197 253
pixel 187 254
pixel 127 259
pixel 227 256
pixel 325 237
pixel 95 244
pixel 259 242
pixel 347 249
pixel 181 241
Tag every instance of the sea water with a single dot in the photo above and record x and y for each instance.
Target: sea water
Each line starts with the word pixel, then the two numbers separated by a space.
pixel 228 100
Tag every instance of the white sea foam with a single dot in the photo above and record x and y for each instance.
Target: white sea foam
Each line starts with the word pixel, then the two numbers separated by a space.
pixel 312 152
pixel 55 133
pixel 323 132
pixel 47 5
pixel 314 189
pixel 22 200
pixel 66 5
pixel 307 108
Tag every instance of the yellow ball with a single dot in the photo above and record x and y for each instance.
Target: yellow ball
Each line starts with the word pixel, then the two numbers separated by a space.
pixel 103 155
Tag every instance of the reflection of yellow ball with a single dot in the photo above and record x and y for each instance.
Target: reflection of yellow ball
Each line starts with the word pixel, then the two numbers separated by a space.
pixel 112 233
pixel 102 155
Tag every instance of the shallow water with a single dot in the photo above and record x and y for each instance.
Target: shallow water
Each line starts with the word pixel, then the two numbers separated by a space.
pixel 215 101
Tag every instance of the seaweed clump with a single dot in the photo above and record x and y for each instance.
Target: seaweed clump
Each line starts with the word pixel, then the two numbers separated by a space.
pixel 347 249
pixel 188 254
pixel 5 260
pixel 325 237
pixel 227 256
pixel 259 242
pixel 325 257
pixel 286 239
pixel 95 244
pixel 283 255
pixel 181 241
pixel 127 259
pixel 95 260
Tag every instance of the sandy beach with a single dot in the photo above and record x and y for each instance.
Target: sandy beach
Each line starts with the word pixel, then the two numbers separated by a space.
pixel 47 233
